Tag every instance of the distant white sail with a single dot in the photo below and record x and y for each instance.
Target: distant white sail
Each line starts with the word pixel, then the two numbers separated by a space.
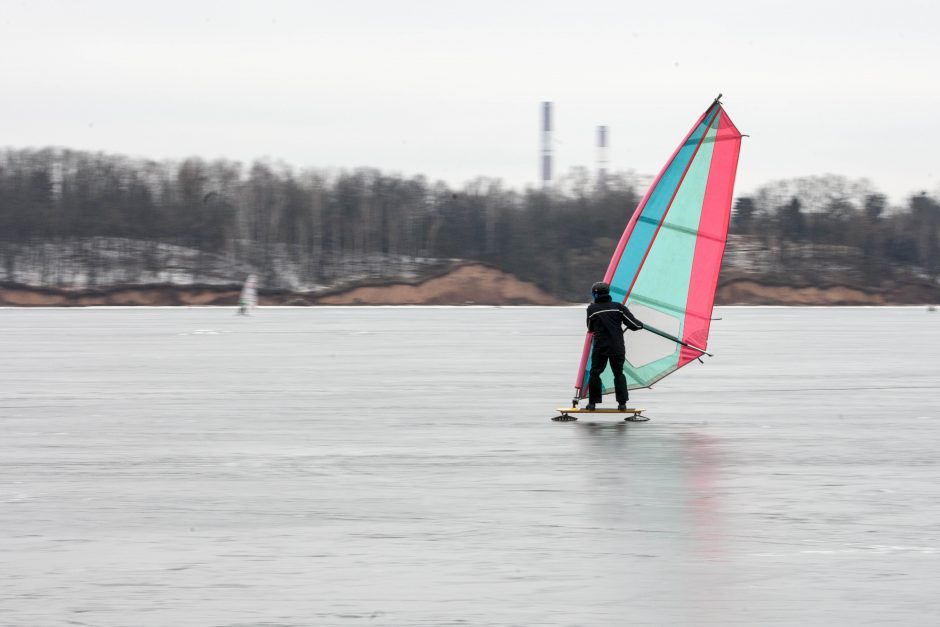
pixel 249 296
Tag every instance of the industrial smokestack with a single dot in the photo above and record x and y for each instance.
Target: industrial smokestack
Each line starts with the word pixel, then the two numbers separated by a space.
pixel 603 144
pixel 546 144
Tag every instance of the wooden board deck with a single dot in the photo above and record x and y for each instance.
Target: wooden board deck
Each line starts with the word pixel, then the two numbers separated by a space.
pixel 633 414
pixel 581 410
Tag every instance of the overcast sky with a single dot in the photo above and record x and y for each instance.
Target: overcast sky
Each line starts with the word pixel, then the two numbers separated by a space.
pixel 452 89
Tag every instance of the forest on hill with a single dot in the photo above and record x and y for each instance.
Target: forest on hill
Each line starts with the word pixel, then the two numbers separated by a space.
pixel 81 220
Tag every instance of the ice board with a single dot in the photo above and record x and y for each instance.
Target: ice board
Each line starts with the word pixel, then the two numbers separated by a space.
pixel 633 413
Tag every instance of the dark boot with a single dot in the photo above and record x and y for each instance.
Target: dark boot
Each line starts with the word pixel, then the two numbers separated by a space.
pixel 590 407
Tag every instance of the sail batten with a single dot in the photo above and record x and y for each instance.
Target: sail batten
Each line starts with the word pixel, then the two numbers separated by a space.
pixel 666 264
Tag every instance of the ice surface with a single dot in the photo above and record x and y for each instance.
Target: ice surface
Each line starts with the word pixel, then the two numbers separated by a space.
pixel 397 466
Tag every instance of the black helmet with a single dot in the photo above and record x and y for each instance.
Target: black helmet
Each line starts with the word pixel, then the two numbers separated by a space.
pixel 600 288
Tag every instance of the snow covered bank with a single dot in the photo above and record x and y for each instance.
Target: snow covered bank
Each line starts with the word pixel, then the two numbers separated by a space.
pixel 462 284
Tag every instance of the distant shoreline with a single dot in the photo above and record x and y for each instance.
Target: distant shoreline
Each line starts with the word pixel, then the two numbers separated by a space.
pixel 464 284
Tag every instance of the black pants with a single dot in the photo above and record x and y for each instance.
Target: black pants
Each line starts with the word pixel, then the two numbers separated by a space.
pixel 598 363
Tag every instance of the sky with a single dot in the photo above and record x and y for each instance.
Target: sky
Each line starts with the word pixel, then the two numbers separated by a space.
pixel 452 90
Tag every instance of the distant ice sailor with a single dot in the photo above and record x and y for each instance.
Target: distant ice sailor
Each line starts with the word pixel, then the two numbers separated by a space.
pixel 248 299
pixel 604 318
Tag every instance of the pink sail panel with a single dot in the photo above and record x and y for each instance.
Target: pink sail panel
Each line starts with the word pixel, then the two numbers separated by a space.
pixel 713 235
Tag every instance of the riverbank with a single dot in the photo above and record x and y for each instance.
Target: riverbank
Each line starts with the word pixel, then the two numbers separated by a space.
pixel 752 292
pixel 464 284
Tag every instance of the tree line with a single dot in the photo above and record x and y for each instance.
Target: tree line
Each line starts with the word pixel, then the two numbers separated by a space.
pixel 298 228
pixel 821 226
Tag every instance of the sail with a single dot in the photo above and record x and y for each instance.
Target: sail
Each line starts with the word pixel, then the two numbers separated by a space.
pixel 249 296
pixel 665 268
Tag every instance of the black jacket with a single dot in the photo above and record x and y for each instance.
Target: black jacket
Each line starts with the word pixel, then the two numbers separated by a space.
pixel 604 318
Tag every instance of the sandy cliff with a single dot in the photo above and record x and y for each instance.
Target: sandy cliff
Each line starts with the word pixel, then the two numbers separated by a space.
pixel 470 284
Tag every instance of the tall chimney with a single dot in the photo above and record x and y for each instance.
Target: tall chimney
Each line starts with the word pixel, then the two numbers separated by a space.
pixel 546 144
pixel 603 144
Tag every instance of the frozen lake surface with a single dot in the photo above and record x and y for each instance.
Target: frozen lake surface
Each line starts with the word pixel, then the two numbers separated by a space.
pixel 397 466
